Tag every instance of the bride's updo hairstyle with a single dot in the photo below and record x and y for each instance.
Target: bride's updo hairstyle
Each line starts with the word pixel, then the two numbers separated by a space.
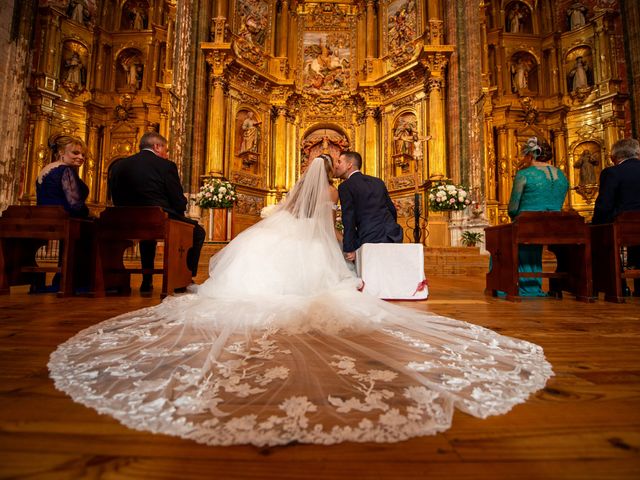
pixel 328 165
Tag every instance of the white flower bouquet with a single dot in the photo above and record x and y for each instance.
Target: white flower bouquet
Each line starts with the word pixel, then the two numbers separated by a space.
pixel 216 193
pixel 447 196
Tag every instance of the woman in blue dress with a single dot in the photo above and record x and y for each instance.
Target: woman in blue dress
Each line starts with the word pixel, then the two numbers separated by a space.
pixel 59 183
pixel 537 188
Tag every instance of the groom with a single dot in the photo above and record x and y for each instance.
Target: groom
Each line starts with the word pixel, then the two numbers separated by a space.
pixel 368 215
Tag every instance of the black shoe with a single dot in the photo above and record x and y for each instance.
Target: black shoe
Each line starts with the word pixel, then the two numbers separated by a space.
pixel 146 288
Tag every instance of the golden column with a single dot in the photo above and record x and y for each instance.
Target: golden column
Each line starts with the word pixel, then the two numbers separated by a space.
pixel 504 187
pixel 217 56
pixel 93 162
pixel 371 160
pixel 280 149
pixel 371 30
pixel 437 155
pixel 283 27
pixel 435 22
pixel 219 21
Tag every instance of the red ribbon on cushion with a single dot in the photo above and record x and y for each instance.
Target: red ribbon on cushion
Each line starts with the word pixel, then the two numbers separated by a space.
pixel 421 286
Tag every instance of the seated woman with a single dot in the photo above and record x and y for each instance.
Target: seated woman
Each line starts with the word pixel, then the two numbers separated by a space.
pixel 537 188
pixel 58 183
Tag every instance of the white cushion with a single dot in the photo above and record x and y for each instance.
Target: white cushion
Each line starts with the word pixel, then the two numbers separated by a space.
pixel 392 271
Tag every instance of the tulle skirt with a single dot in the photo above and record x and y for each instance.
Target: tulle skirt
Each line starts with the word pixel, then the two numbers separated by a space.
pixel 279 346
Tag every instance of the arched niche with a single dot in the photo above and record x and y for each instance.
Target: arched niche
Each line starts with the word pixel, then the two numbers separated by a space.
pixel 134 15
pixel 129 68
pixel 73 67
pixel 518 17
pixel 248 134
pixel 524 70
pixel 328 139
pixel 586 161
pixel 578 65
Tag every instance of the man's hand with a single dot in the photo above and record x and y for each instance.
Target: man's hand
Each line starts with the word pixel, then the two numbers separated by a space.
pixel 351 256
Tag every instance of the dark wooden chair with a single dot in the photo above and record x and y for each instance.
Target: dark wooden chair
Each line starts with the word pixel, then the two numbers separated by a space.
pixel 607 241
pixel 564 233
pixel 118 227
pixel 25 229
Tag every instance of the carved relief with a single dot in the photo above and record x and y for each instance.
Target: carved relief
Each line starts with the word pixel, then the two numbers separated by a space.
pixel 249 204
pixel 241 178
pixel 401 28
pixel 329 141
pixel 326 62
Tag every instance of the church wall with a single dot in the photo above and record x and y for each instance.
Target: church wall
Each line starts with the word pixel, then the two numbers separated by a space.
pixel 16 26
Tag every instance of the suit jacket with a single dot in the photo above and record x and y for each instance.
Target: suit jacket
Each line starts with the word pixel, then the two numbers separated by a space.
pixel 368 215
pixel 145 179
pixel 619 191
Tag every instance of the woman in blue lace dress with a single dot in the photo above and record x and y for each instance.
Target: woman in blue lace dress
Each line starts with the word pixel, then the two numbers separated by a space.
pixel 537 188
pixel 58 183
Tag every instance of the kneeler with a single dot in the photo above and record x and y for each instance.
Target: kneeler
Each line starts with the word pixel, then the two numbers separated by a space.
pixel 392 271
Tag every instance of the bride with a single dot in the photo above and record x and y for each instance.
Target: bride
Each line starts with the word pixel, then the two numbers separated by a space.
pixel 279 346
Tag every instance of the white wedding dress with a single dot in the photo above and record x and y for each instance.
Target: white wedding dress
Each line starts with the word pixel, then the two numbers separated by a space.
pixel 279 346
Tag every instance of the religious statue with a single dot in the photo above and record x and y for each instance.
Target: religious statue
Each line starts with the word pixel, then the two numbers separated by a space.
pixel 587 163
pixel 515 19
pixel 74 71
pixel 138 19
pixel 403 139
pixel 577 15
pixel 519 76
pixel 418 152
pixel 134 71
pixel 578 75
pixel 250 134
pixel 77 11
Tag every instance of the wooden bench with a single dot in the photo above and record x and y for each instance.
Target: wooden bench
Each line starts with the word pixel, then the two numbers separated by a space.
pixel 607 241
pixel 25 229
pixel 118 227
pixel 564 233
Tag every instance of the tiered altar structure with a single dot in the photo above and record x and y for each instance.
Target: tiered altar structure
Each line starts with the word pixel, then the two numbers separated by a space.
pixel 251 90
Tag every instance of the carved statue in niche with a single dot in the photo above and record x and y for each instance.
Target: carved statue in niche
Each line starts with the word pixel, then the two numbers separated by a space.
pixel 74 72
pixel 132 65
pixel 518 18
pixel 522 66
pixel 135 15
pixel 587 163
pixel 77 11
pixel 323 140
pixel 401 23
pixel 577 15
pixel 250 133
pixel 403 138
pixel 254 19
pixel 327 58
pixel 579 75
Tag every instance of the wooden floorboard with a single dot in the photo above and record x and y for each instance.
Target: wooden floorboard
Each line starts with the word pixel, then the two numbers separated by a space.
pixel 584 425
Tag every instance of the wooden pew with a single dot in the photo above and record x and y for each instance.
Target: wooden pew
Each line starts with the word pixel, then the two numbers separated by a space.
pixel 564 233
pixel 25 229
pixel 116 229
pixel 607 241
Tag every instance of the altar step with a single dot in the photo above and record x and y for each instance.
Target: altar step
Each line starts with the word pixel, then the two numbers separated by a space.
pixel 455 261
pixel 437 260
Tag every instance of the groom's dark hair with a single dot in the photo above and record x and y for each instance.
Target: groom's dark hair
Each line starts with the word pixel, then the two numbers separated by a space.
pixel 353 157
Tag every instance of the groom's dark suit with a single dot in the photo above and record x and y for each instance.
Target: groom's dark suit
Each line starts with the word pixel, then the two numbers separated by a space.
pixel 619 191
pixel 368 215
pixel 145 179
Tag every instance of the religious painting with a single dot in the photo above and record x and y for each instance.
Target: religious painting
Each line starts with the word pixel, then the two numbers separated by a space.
pixel 73 68
pixel 402 23
pixel 326 62
pixel 135 15
pixel 330 141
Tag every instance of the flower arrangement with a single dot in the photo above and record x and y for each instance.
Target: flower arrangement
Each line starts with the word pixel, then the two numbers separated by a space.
pixel 446 196
pixel 216 193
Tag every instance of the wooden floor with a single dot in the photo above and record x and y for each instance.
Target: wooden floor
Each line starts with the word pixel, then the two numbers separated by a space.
pixel 584 425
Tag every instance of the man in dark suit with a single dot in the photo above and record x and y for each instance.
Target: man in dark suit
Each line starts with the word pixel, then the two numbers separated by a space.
pixel 619 191
pixel 149 178
pixel 368 215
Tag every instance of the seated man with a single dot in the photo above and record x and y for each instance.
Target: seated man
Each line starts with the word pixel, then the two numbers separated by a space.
pixel 619 192
pixel 149 179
